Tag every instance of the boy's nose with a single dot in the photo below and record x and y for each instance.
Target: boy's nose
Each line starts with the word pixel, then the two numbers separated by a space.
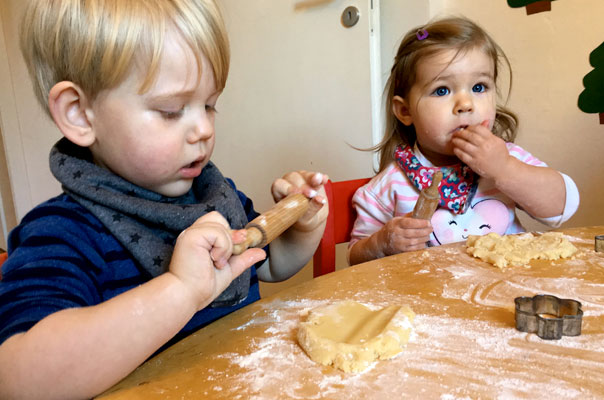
pixel 203 130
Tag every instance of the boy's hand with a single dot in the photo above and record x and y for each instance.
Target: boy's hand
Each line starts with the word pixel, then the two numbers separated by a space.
pixel 311 185
pixel 485 153
pixel 402 234
pixel 203 260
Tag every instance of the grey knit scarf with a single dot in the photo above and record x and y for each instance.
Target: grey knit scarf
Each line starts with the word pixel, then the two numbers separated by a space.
pixel 144 222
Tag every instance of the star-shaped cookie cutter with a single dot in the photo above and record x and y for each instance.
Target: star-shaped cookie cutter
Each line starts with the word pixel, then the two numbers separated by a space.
pixel 548 316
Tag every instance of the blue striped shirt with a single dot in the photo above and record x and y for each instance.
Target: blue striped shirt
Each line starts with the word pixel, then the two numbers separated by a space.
pixel 61 256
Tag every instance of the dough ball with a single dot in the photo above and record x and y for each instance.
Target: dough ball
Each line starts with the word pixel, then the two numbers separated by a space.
pixel 506 250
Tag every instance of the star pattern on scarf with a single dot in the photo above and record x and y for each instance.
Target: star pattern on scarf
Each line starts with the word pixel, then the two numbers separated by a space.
pixel 135 238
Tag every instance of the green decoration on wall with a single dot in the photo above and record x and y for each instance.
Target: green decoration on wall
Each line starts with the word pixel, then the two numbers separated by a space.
pixel 532 6
pixel 591 100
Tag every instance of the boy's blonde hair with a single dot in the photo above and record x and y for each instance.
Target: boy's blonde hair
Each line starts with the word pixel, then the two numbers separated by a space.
pixel 455 33
pixel 96 43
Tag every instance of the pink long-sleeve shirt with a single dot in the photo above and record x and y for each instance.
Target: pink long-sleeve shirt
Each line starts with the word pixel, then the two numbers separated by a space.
pixel 390 194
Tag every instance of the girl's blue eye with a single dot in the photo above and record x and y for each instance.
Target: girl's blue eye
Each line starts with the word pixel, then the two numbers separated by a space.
pixel 479 88
pixel 441 91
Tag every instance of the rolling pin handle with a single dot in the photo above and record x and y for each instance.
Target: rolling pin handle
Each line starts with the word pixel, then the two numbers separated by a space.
pixel 266 227
pixel 427 203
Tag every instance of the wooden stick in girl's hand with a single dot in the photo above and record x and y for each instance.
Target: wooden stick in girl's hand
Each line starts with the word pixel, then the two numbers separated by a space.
pixel 428 199
pixel 266 227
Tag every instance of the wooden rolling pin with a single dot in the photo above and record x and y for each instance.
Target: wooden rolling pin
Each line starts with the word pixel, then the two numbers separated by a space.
pixel 266 227
pixel 428 199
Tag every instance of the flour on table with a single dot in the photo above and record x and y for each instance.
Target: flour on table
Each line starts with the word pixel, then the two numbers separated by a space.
pixel 519 249
pixel 350 336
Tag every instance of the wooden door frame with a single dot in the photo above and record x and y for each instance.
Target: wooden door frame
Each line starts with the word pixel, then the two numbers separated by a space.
pixel 8 122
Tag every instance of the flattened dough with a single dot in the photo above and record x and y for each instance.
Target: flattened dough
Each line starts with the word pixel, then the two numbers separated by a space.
pixel 350 336
pixel 519 249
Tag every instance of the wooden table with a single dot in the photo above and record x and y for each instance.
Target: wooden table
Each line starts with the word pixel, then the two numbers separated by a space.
pixel 465 344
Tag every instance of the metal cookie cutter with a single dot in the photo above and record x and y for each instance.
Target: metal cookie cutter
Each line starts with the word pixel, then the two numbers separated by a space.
pixel 548 316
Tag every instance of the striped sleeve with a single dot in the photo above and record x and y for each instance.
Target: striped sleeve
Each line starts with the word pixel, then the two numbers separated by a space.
pixel 51 267
pixel 524 156
pixel 389 194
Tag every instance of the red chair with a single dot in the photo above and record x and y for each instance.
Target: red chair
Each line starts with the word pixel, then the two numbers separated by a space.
pixel 339 223
pixel 3 257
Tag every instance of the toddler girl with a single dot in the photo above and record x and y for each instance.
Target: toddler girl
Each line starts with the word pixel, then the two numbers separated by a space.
pixel 442 114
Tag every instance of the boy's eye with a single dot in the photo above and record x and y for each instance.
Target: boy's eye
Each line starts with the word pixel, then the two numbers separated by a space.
pixel 441 91
pixel 210 108
pixel 170 115
pixel 479 88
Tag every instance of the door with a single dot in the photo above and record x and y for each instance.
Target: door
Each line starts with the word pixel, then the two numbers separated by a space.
pixel 298 94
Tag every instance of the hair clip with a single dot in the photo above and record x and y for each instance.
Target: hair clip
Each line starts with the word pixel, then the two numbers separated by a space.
pixel 421 34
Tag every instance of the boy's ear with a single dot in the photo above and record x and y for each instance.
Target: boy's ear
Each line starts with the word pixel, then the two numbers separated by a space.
pixel 70 109
pixel 400 108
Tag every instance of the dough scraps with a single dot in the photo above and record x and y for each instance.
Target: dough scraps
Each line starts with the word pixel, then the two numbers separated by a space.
pixel 519 249
pixel 350 336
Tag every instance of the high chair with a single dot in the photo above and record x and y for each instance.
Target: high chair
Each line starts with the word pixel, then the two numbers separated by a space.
pixel 339 223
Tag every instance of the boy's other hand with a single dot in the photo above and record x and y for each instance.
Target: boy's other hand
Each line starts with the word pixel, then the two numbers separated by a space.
pixel 311 185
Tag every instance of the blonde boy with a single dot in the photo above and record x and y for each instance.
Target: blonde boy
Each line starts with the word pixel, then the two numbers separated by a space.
pixel 136 252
